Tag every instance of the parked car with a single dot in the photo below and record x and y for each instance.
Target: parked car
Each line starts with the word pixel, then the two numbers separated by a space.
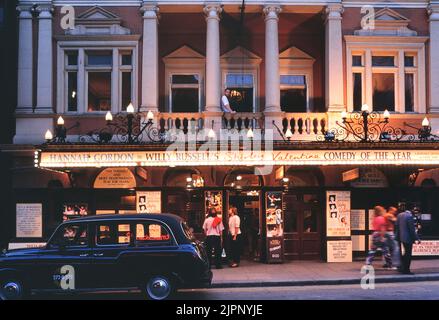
pixel 154 252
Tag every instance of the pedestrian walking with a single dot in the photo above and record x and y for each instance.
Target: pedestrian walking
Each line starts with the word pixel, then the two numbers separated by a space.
pixel 379 237
pixel 406 235
pixel 392 245
pixel 235 237
pixel 213 228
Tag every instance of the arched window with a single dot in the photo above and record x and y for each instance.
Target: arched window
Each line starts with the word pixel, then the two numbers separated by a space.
pixel 242 178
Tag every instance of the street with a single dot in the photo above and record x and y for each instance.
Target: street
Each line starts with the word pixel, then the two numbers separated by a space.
pixel 428 290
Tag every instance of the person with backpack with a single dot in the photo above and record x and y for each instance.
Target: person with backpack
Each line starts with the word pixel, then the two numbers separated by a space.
pixel 213 228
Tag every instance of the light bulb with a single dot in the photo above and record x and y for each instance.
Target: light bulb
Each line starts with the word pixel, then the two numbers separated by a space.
pixel 344 115
pixel 109 116
pixel 130 108
pixel 288 133
pixel 365 107
pixel 150 115
pixel 60 121
pixel 211 134
pixel 48 136
pixel 250 134
pixel 239 178
pixel 425 122
pixel 386 114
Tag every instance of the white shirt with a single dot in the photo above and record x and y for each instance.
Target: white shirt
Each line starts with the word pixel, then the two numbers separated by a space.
pixel 209 230
pixel 234 222
pixel 224 102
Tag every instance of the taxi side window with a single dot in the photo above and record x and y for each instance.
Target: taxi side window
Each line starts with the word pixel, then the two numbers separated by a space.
pixel 72 235
pixel 113 234
pixel 151 233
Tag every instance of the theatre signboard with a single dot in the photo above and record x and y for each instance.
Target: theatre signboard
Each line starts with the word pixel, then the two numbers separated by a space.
pixel 59 159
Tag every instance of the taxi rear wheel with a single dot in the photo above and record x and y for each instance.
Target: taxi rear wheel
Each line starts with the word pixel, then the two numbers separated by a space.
pixel 159 287
pixel 12 289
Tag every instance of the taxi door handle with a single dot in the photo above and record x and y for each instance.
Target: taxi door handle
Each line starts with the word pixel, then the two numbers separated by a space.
pixel 98 254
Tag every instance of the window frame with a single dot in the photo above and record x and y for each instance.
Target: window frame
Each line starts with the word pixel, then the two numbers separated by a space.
pixel 118 48
pixel 62 227
pixel 253 73
pixel 286 87
pixel 399 47
pixel 180 86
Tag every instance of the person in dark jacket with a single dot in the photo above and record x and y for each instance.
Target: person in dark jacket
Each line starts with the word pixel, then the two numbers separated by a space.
pixel 406 235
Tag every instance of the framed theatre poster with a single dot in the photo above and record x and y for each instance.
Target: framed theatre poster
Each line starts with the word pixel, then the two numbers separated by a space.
pixel 339 251
pixel 149 201
pixel 274 221
pixel 358 219
pixel 338 210
pixel 213 199
pixel 29 222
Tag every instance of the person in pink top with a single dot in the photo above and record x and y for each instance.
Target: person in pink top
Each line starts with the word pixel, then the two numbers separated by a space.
pixel 379 236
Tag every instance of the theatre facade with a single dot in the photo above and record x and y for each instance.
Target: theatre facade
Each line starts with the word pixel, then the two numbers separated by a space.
pixel 337 111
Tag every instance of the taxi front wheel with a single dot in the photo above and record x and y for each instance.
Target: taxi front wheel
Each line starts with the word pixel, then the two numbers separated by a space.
pixel 159 287
pixel 12 289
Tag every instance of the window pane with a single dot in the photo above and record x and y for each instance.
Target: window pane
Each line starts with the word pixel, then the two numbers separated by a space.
pixel 309 221
pixel 113 234
pixel 293 100
pixel 239 80
pixel 126 59
pixel 292 80
pixel 72 91
pixel 184 79
pixel 100 59
pixel 126 89
pixel 357 98
pixel 151 234
pixel 383 61
pixel 241 99
pixel 72 235
pixel 409 92
pixel 356 61
pixel 72 59
pixel 99 91
pixel 383 91
pixel 185 100
pixel 409 61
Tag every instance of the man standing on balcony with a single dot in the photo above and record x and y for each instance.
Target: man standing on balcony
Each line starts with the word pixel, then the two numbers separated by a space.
pixel 225 105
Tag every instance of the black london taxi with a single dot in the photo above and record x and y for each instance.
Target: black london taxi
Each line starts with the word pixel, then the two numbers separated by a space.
pixel 156 253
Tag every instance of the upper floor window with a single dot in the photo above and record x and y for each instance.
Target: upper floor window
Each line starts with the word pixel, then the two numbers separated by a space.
pixel 241 87
pixel 96 79
pixel 293 93
pixel 389 79
pixel 386 65
pixel 185 93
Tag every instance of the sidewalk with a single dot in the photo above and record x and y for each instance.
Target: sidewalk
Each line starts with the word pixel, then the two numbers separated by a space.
pixel 301 273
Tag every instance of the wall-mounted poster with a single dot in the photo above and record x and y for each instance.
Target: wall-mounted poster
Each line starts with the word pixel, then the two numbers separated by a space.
pixel 115 178
pixel 426 248
pixel 274 225
pixel 149 201
pixel 340 251
pixel 338 209
pixel 358 243
pixel 74 210
pixel 29 222
pixel 213 199
pixel 358 219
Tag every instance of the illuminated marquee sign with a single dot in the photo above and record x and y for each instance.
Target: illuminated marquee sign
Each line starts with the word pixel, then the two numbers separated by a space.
pixel 258 158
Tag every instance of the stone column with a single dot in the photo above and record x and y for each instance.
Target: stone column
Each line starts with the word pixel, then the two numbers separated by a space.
pixel 334 59
pixel 24 90
pixel 150 57
pixel 213 66
pixel 272 81
pixel 433 11
pixel 45 62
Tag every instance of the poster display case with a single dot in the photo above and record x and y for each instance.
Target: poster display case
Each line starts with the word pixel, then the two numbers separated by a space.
pixel 274 226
